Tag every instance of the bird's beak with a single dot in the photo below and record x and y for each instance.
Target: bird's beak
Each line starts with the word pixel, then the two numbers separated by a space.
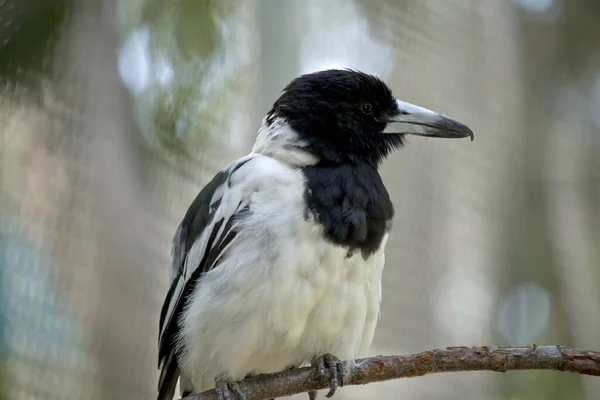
pixel 414 120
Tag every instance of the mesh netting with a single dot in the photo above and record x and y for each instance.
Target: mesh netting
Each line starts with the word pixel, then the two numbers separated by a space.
pixel 113 114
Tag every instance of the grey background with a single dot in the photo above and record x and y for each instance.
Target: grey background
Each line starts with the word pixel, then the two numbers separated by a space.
pixel 113 114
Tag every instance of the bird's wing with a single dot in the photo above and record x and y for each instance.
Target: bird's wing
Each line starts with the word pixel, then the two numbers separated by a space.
pixel 206 231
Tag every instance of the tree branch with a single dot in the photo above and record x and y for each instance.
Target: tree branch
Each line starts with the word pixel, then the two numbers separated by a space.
pixel 452 359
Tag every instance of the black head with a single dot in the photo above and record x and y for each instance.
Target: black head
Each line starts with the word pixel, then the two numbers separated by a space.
pixel 342 116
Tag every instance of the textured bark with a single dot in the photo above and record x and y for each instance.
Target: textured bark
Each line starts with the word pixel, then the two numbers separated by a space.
pixel 452 359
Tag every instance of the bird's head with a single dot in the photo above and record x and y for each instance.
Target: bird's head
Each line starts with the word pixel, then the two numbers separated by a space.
pixel 350 116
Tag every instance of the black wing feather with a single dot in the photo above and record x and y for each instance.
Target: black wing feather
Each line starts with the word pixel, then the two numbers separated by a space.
pixel 199 217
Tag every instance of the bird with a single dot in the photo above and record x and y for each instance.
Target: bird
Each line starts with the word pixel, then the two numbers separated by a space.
pixel 278 261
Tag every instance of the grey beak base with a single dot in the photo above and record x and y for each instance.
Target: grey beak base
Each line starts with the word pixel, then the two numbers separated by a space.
pixel 415 120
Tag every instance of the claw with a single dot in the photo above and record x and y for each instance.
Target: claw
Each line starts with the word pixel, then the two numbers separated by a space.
pixel 225 388
pixel 336 372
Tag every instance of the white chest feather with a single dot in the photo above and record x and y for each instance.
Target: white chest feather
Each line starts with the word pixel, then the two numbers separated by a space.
pixel 281 295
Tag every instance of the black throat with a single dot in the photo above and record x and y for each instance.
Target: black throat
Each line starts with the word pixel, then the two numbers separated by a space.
pixel 351 203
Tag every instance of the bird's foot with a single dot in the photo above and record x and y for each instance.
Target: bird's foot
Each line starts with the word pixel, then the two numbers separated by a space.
pixel 225 388
pixel 336 370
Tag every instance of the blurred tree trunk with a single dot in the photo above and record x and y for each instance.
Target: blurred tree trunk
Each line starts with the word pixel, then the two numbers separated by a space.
pixel 563 149
pixel 116 288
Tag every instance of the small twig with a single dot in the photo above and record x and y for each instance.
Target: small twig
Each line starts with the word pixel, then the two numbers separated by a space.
pixel 452 359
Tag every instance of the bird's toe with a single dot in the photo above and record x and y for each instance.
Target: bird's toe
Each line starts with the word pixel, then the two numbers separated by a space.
pixel 336 370
pixel 226 388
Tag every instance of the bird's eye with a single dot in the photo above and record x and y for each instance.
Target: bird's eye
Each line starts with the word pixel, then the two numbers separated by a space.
pixel 366 108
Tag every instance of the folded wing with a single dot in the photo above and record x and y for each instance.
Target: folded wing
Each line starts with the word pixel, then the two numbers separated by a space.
pixel 206 231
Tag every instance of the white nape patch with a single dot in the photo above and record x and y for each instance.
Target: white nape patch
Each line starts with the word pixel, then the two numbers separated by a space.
pixel 283 143
pixel 413 109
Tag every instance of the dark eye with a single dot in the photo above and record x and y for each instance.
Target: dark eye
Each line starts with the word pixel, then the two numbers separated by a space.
pixel 366 108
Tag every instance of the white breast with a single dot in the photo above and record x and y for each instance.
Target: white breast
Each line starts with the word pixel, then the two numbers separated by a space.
pixel 281 295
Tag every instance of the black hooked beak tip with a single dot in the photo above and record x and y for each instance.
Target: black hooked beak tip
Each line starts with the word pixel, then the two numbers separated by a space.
pixel 414 120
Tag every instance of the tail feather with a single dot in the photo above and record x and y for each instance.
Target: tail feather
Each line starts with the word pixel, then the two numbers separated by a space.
pixel 167 381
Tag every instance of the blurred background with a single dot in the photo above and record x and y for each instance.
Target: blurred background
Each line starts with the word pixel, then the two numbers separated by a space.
pixel 113 114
